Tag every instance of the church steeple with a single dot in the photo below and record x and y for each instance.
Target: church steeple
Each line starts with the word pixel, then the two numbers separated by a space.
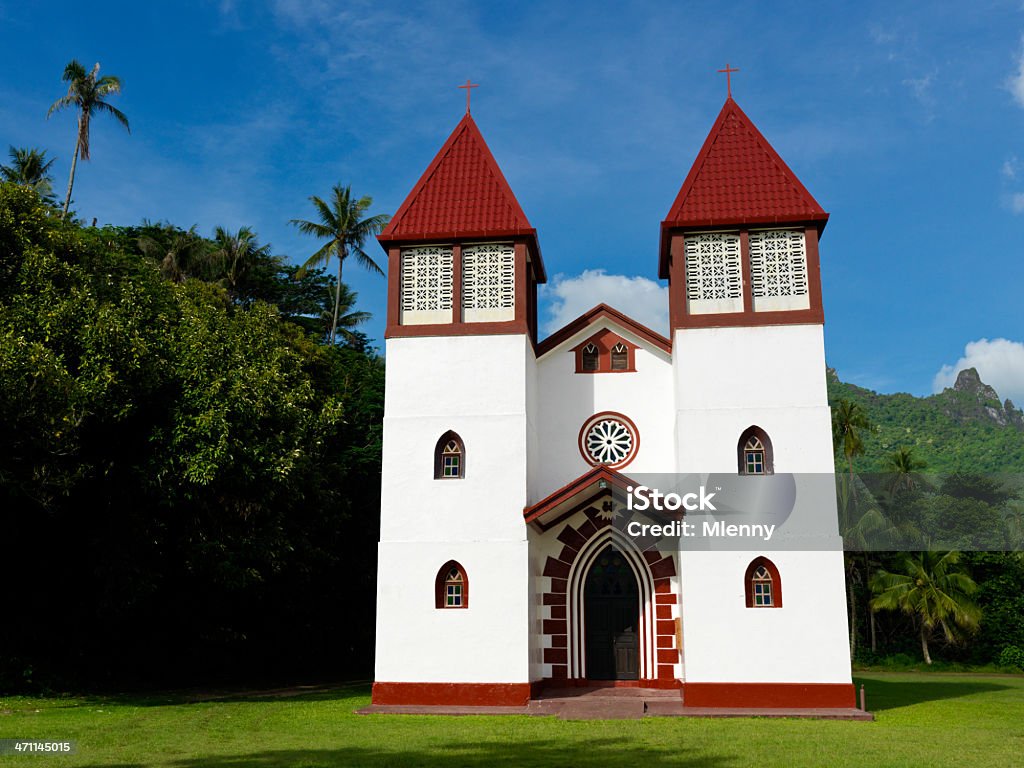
pixel 463 257
pixel 739 243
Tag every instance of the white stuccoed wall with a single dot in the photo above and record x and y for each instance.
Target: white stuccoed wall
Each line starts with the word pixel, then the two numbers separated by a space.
pixel 727 379
pixel 520 420
pixel 477 386
pixel 568 399
pixel 804 641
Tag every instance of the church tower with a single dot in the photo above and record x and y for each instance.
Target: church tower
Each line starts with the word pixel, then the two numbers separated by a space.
pixel 739 248
pixel 463 269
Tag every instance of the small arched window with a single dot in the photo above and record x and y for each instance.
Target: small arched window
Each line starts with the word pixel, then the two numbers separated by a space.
pixel 449 457
pixel 620 357
pixel 762 584
pixel 755 453
pixel 451 587
pixel 591 357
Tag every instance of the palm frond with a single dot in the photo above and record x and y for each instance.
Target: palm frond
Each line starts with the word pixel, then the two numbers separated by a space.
pixel 120 116
pixel 322 256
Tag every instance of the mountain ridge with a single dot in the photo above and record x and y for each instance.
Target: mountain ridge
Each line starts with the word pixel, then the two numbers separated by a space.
pixel 964 428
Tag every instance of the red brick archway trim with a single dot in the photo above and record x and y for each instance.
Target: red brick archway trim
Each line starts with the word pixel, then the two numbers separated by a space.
pixel 556 601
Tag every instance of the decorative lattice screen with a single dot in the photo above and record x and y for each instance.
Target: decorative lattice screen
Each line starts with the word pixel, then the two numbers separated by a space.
pixel 427 284
pixel 488 282
pixel 714 278
pixel 488 276
pixel 778 264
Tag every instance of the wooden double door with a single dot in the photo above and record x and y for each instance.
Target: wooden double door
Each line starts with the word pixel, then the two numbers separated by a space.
pixel 611 614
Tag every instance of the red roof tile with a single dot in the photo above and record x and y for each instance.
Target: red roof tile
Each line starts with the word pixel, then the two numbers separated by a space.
pixel 738 178
pixel 461 194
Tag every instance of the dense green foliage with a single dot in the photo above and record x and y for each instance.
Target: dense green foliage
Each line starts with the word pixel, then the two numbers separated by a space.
pixel 189 481
pixel 946 431
pixel 921 720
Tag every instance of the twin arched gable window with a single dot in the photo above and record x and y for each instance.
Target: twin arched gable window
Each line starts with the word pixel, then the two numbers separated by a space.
pixel 754 452
pixel 449 457
pixel 451 587
pixel 605 352
pixel 762 584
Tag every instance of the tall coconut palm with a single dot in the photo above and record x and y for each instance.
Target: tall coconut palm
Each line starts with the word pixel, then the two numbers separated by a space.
pixel 347 320
pixel 30 168
pixel 86 93
pixel 341 223
pixel 237 252
pixel 849 422
pixel 934 590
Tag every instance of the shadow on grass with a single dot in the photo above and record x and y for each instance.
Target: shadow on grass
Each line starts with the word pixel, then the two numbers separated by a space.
pixel 603 753
pixel 892 694
pixel 171 698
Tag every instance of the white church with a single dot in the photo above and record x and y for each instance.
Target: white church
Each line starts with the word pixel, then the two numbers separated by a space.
pixel 500 572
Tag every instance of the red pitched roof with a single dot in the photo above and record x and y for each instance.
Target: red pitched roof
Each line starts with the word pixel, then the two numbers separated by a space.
pixel 738 178
pixel 592 316
pixel 589 483
pixel 461 194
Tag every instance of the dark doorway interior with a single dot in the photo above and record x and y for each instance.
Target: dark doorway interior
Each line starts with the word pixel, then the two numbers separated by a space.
pixel 611 616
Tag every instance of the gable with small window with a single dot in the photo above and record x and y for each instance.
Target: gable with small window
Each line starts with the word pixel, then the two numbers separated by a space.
pixel 762 584
pixel 451 586
pixel 605 352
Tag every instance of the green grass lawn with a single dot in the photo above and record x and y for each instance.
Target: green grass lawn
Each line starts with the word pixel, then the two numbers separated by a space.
pixel 922 720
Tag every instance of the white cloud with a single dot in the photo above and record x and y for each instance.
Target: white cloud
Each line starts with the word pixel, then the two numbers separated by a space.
pixel 1017 202
pixel 1000 363
pixel 1011 167
pixel 881 35
pixel 1015 83
pixel 921 87
pixel 642 299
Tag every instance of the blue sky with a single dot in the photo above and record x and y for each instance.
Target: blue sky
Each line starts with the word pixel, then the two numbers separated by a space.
pixel 904 120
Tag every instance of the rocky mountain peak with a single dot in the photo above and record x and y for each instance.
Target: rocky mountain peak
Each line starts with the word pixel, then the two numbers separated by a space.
pixel 972 399
pixel 968 380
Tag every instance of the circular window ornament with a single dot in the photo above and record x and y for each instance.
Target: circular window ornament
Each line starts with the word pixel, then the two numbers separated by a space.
pixel 608 439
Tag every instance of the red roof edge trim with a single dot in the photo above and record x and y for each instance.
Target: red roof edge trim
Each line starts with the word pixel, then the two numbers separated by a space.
pixel 457 235
pixel 574 487
pixel 591 316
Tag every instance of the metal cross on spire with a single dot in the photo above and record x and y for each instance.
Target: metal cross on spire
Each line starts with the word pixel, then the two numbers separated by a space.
pixel 728 79
pixel 469 86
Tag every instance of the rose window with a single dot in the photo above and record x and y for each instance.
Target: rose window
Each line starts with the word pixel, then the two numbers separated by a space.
pixel 608 439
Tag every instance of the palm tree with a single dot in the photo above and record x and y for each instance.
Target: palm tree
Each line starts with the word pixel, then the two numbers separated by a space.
pixel 342 224
pixel 236 254
pixel 903 468
pixel 848 422
pixel 178 253
pixel 30 168
pixel 934 590
pixel 347 320
pixel 86 93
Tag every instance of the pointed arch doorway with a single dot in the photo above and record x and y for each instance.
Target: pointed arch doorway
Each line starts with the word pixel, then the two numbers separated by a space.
pixel 611 615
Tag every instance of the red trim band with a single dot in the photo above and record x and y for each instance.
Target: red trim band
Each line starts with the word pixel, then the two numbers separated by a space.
pixel 453 694
pixel 770 695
